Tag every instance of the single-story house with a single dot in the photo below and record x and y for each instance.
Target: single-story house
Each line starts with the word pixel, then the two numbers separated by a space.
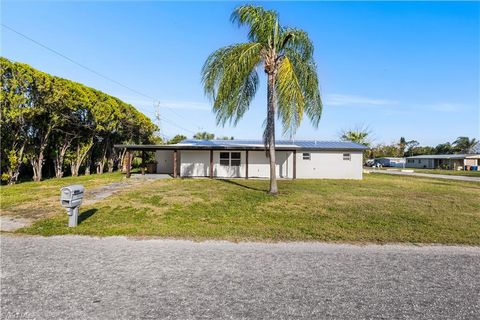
pixel 390 162
pixel 443 161
pixel 248 159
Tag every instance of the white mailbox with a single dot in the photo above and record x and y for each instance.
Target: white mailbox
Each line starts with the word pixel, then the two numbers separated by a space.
pixel 71 198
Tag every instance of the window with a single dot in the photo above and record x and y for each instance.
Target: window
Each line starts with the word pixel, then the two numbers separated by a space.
pixel 409 160
pixel 230 159
pixel 224 158
pixel 306 156
pixel 235 159
pixel 346 156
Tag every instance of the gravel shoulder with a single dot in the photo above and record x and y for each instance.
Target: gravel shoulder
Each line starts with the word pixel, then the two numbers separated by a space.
pixel 73 277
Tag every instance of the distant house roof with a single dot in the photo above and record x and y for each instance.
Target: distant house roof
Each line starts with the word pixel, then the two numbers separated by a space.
pixel 391 158
pixel 446 156
pixel 192 144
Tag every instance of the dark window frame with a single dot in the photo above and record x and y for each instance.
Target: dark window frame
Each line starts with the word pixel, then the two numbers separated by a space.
pixel 233 159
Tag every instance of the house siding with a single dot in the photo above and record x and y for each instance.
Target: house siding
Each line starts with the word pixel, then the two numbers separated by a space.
pixel 471 162
pixel 228 171
pixel 164 159
pixel 322 164
pixel 330 165
pixel 195 163
pixel 420 163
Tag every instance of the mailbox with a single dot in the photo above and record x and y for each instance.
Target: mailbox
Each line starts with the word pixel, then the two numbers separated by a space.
pixel 71 198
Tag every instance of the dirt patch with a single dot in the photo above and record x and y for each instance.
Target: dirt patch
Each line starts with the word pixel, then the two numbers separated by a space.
pixel 10 224
pixel 97 194
pixel 27 212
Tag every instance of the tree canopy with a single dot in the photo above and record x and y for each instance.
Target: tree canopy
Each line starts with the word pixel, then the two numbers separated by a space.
pixel 49 119
pixel 204 136
pixel 360 135
pixel 466 145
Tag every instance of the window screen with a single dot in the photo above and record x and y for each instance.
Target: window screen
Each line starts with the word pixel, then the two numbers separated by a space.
pixel 230 159
pixel 306 156
pixel 235 159
pixel 224 158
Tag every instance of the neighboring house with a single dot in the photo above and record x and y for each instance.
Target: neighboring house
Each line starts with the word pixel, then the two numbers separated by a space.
pixel 248 159
pixel 443 161
pixel 390 162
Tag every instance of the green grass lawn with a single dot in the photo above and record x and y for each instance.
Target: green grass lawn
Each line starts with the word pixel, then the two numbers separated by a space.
pixel 34 199
pixel 379 208
pixel 450 172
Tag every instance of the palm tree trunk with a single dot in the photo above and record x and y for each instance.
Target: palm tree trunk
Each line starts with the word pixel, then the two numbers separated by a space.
pixel 270 130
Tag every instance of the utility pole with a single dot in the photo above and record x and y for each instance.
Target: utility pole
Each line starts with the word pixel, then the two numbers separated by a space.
pixel 158 120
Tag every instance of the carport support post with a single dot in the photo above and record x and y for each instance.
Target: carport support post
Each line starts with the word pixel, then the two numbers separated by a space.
pixel 246 164
pixel 129 157
pixel 174 163
pixel 143 163
pixel 294 164
pixel 211 164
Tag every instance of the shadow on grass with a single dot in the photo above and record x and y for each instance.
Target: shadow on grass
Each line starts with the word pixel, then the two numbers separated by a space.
pixel 85 215
pixel 241 185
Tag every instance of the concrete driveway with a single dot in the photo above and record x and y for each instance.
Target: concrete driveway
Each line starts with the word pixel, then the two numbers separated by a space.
pixel 73 277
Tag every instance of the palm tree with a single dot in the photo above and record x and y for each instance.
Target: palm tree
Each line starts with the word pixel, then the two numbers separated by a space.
pixel 466 145
pixel 204 136
pixel 359 135
pixel 230 76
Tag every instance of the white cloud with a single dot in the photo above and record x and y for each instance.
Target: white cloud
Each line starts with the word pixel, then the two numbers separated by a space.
pixel 352 100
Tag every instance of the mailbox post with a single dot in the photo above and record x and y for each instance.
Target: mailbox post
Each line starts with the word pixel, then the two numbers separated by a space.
pixel 71 198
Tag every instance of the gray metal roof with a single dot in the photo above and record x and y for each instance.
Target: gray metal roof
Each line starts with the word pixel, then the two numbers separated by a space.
pixel 445 156
pixel 192 144
pixel 296 144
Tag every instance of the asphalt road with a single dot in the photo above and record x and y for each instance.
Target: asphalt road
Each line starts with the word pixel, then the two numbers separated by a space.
pixel 116 278
pixel 426 175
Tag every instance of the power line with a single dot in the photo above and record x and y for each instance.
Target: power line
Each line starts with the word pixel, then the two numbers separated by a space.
pixel 96 73
pixel 77 63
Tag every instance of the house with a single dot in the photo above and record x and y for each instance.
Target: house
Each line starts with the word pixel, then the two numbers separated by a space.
pixel 390 162
pixel 444 161
pixel 248 159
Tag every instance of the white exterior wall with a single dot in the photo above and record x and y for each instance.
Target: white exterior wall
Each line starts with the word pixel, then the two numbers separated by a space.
pixel 194 163
pixel 322 164
pixel 164 159
pixel 259 164
pixel 330 165
pixel 228 171
pixel 471 162
pixel 197 164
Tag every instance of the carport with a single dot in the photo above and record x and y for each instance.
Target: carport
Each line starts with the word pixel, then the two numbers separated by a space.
pixel 176 148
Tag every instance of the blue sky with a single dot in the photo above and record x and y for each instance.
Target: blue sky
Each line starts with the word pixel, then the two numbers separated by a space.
pixel 402 69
